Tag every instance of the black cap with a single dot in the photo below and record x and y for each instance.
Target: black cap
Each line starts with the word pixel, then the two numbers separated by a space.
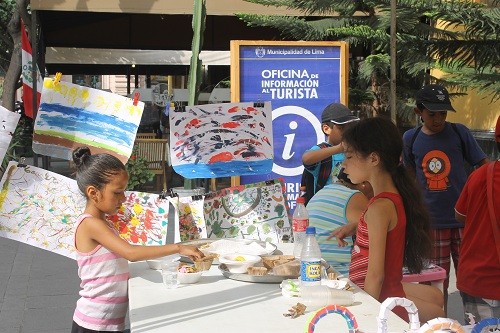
pixel 434 97
pixel 338 114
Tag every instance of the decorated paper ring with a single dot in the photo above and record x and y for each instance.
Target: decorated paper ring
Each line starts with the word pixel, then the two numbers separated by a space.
pixel 352 324
pixel 486 325
pixel 440 324
pixel 389 304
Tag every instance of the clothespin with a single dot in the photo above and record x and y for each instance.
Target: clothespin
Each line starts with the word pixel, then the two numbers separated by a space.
pixel 163 194
pixel 136 98
pixel 258 104
pixel 21 163
pixel 57 78
pixel 180 108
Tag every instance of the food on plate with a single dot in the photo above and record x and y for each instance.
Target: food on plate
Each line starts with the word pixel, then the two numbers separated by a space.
pixel 291 268
pixel 272 261
pixel 204 263
pixel 255 270
pixel 239 258
pixel 187 269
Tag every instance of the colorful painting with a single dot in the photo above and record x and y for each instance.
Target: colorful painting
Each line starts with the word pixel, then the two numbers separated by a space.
pixel 190 222
pixel 71 116
pixel 142 219
pixel 254 211
pixel 8 124
pixel 222 140
pixel 40 208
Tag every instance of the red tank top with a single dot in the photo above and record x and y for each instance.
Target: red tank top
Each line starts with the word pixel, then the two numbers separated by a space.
pixel 394 253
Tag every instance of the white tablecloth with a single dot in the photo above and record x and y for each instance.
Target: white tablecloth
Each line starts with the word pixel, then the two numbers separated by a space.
pixel 218 304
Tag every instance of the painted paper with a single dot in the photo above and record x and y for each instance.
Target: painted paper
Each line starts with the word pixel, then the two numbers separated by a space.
pixel 190 221
pixel 222 140
pixel 8 124
pixel 253 211
pixel 142 219
pixel 71 116
pixel 40 208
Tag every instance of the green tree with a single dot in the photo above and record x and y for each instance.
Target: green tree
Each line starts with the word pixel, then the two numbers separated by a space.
pixel 468 49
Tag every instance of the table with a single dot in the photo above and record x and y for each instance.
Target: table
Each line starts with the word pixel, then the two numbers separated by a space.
pixel 216 304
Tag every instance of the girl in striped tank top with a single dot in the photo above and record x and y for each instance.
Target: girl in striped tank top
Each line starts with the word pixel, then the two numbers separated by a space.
pixel 101 254
pixel 394 229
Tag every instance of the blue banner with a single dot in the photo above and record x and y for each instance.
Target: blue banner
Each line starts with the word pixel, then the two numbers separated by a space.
pixel 300 79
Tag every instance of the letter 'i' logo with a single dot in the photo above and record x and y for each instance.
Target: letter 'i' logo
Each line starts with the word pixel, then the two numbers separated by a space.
pixel 287 149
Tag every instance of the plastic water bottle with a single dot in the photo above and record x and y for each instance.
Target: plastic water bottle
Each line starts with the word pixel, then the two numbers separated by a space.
pixel 300 221
pixel 310 260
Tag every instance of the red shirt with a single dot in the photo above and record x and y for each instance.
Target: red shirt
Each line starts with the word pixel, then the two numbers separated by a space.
pixel 479 268
pixel 394 252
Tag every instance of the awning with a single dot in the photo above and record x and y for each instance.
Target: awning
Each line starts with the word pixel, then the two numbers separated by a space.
pixel 89 56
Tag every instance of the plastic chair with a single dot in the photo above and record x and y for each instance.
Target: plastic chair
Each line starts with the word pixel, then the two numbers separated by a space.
pixel 155 152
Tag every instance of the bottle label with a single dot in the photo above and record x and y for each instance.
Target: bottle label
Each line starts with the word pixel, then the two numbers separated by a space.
pixel 300 225
pixel 310 271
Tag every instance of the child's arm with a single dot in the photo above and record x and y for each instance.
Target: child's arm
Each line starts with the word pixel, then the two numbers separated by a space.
pixel 378 218
pixel 311 157
pixel 98 231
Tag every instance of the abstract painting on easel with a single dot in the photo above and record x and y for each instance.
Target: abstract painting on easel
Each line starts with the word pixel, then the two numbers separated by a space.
pixel 71 116
pixel 222 140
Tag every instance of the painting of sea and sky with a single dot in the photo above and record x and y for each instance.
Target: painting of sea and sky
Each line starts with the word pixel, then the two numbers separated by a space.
pixel 222 140
pixel 71 116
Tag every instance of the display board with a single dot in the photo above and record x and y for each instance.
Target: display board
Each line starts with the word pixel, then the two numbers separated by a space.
pixel 299 79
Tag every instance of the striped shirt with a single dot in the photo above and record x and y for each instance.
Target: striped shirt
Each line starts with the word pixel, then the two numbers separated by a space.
pixel 104 295
pixel 327 211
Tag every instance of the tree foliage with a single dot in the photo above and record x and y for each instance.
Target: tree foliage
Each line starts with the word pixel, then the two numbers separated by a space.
pixel 459 37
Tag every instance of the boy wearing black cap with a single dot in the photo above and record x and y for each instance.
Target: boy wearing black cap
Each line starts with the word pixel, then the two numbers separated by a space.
pixel 333 120
pixel 479 266
pixel 435 153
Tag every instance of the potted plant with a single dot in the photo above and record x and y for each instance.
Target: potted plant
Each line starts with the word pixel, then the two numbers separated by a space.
pixel 138 172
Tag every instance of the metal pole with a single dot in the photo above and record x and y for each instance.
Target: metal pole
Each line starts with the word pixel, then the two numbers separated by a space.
pixel 393 52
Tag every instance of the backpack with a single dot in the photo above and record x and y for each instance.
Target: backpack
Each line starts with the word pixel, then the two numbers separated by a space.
pixel 414 137
pixel 307 180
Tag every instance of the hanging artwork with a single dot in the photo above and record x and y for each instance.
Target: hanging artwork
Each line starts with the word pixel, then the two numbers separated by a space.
pixel 222 140
pixel 254 211
pixel 190 222
pixel 40 208
pixel 8 124
pixel 71 116
pixel 142 219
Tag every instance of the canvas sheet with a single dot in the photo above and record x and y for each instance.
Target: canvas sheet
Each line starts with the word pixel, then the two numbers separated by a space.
pixel 189 220
pixel 71 116
pixel 40 208
pixel 253 211
pixel 222 140
pixel 8 124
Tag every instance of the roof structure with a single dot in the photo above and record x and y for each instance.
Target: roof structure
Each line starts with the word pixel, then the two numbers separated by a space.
pixel 154 35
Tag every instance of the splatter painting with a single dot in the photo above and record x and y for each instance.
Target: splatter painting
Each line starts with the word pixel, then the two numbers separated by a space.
pixel 190 222
pixel 71 116
pixel 142 219
pixel 40 208
pixel 8 124
pixel 222 140
pixel 254 211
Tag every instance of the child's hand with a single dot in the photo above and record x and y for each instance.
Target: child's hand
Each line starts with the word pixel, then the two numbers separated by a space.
pixel 342 232
pixel 190 251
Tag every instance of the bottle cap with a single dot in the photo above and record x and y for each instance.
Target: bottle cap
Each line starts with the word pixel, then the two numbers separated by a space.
pixel 311 230
pixel 301 200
